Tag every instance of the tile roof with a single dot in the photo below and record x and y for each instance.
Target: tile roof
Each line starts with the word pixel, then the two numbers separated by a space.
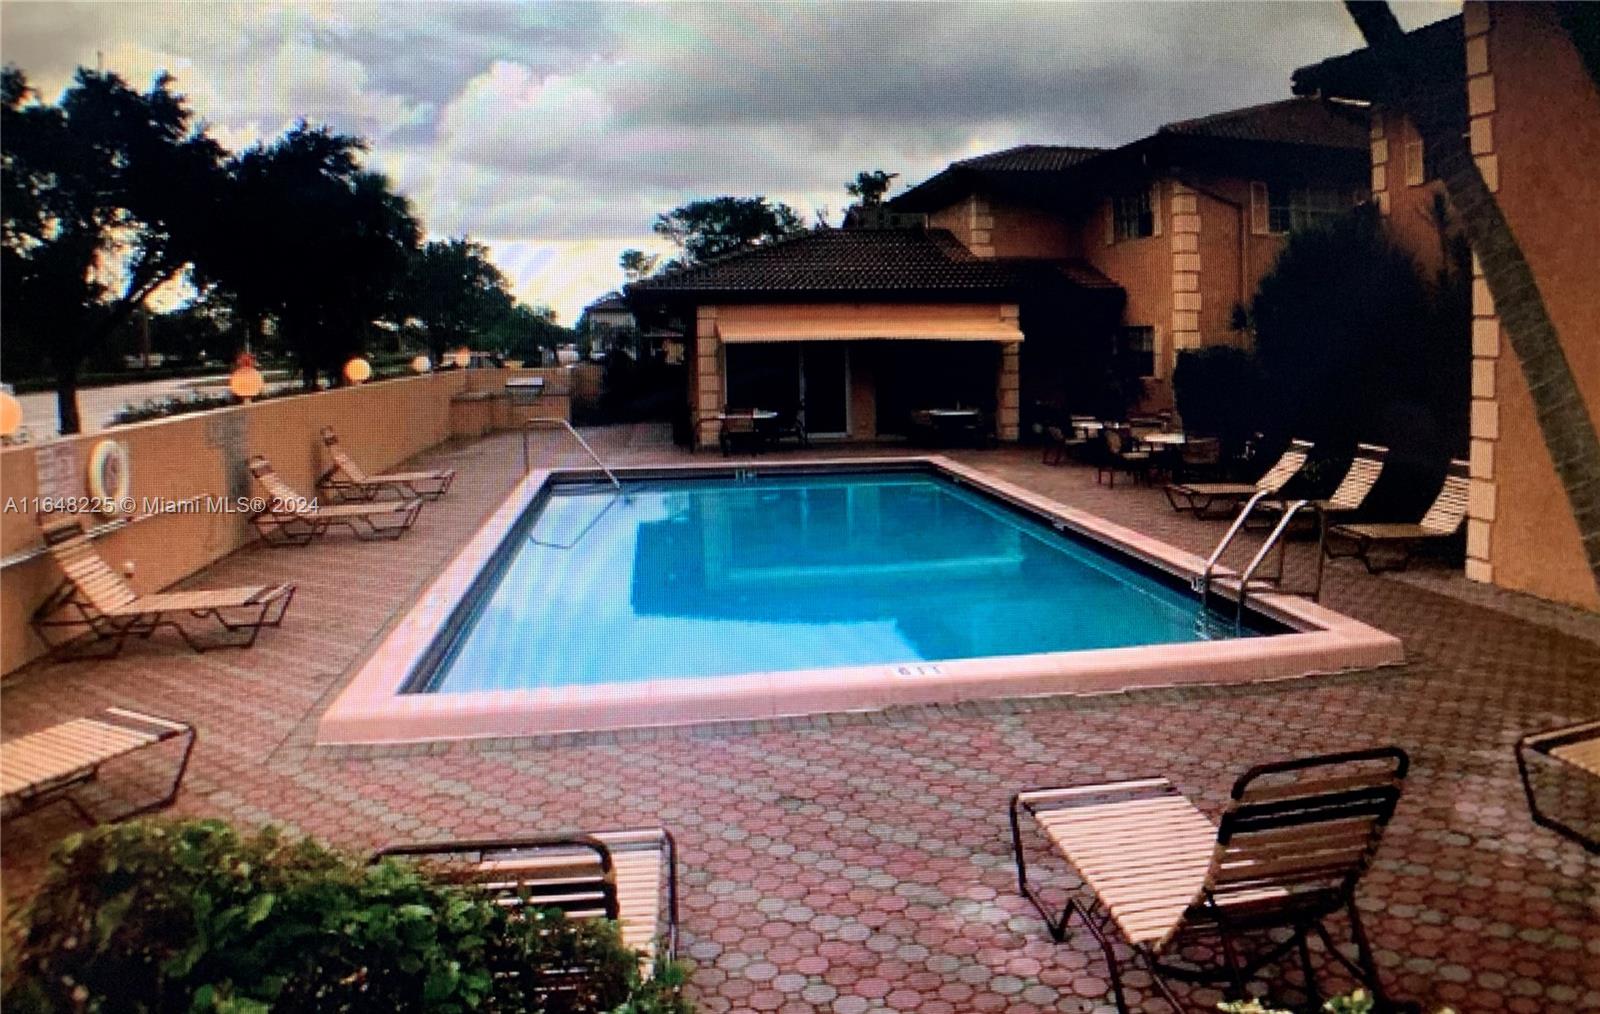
pixel 1291 121
pixel 842 261
pixel 1029 158
pixel 1050 174
pixel 1436 50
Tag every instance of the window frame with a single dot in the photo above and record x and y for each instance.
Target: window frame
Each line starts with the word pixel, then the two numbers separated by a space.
pixel 1143 222
pixel 1125 349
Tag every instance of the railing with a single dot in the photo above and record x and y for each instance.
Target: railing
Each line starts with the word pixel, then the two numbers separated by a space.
pixel 527 457
pixel 1273 540
pixel 1202 584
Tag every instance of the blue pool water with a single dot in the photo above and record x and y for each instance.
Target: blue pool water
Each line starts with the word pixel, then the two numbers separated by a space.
pixel 702 577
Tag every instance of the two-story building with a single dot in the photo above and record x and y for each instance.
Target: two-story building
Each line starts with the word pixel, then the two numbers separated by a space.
pixel 1041 278
pixel 1186 220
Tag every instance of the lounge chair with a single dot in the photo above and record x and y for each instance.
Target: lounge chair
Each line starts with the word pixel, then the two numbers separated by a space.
pixel 1201 497
pixel 293 520
pixel 348 481
pixel 629 877
pixel 44 767
pixel 1569 763
pixel 1353 489
pixel 100 605
pixel 1061 441
pixel 1288 853
pixel 1443 519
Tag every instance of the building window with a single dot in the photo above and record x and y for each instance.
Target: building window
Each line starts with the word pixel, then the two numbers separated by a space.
pixel 1136 351
pixel 1133 215
pixel 1293 208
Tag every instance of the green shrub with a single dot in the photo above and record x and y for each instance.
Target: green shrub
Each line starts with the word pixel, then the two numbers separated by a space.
pixel 1359 345
pixel 155 916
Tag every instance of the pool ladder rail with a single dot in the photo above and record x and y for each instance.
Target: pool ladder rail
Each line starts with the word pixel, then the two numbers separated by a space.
pixel 1251 578
pixel 527 457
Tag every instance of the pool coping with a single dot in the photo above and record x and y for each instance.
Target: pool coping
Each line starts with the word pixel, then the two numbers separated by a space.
pixel 371 710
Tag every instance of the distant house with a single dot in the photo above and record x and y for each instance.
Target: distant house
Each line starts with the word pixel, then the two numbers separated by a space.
pixel 611 325
pixel 1522 80
pixel 861 327
pixel 1186 220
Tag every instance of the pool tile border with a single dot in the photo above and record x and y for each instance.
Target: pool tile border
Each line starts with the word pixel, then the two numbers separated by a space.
pixel 371 710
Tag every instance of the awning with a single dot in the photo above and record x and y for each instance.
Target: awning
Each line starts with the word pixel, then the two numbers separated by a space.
pixel 867 327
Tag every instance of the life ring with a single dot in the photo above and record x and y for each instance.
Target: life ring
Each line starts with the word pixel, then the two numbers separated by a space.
pixel 109 475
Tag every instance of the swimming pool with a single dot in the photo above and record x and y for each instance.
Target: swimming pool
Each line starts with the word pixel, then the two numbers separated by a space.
pixel 712 576
pixel 709 593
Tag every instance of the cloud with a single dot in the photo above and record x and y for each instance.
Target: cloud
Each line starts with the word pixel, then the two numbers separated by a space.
pixel 556 132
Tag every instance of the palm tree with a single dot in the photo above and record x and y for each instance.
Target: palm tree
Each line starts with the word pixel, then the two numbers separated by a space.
pixel 1564 422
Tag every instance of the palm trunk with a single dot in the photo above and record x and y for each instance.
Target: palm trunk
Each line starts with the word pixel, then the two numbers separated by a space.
pixel 1564 423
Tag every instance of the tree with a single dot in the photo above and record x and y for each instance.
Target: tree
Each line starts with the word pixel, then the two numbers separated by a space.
pixel 1564 423
pixel 108 195
pixel 455 291
pixel 1355 342
pixel 868 188
pixel 313 241
pixel 723 225
pixel 637 264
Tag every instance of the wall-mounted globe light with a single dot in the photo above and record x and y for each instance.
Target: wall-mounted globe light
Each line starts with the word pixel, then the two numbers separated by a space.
pixel 10 414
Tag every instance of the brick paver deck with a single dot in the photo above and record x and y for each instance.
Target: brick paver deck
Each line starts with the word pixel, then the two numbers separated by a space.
pixel 852 863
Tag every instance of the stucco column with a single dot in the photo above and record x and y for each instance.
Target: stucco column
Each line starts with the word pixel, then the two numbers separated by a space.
pixel 1486 337
pixel 1008 384
pixel 1185 278
pixel 708 377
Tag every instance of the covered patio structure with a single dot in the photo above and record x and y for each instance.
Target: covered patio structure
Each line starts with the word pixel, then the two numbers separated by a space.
pixel 856 332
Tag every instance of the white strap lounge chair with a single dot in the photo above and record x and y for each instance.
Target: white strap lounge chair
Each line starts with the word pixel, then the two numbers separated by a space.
pixel 348 481
pixel 1156 872
pixel 44 767
pixel 102 610
pixel 1443 519
pixel 293 520
pixel 629 877
pixel 1352 492
pixel 1202 497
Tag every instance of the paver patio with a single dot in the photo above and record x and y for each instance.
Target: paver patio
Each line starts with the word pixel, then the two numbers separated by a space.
pixel 861 862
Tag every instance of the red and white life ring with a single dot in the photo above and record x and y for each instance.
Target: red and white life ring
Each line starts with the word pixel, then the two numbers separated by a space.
pixel 110 475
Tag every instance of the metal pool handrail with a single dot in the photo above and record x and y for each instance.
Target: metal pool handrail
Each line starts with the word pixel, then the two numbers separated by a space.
pixel 527 460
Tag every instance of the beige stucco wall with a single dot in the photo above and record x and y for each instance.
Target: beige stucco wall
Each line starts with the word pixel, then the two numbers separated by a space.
pixel 1525 78
pixel 380 424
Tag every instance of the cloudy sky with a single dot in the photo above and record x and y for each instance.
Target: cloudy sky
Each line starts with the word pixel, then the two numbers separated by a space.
pixel 556 132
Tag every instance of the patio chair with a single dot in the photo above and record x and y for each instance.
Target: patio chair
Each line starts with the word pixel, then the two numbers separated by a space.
pixel 44 767
pixel 100 605
pixel 1198 456
pixel 1119 452
pixel 739 432
pixel 1443 519
pixel 1201 497
pixel 1568 759
pixel 629 877
pixel 1060 442
pixel 293 520
pixel 791 425
pixel 348 481
pixel 1289 851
